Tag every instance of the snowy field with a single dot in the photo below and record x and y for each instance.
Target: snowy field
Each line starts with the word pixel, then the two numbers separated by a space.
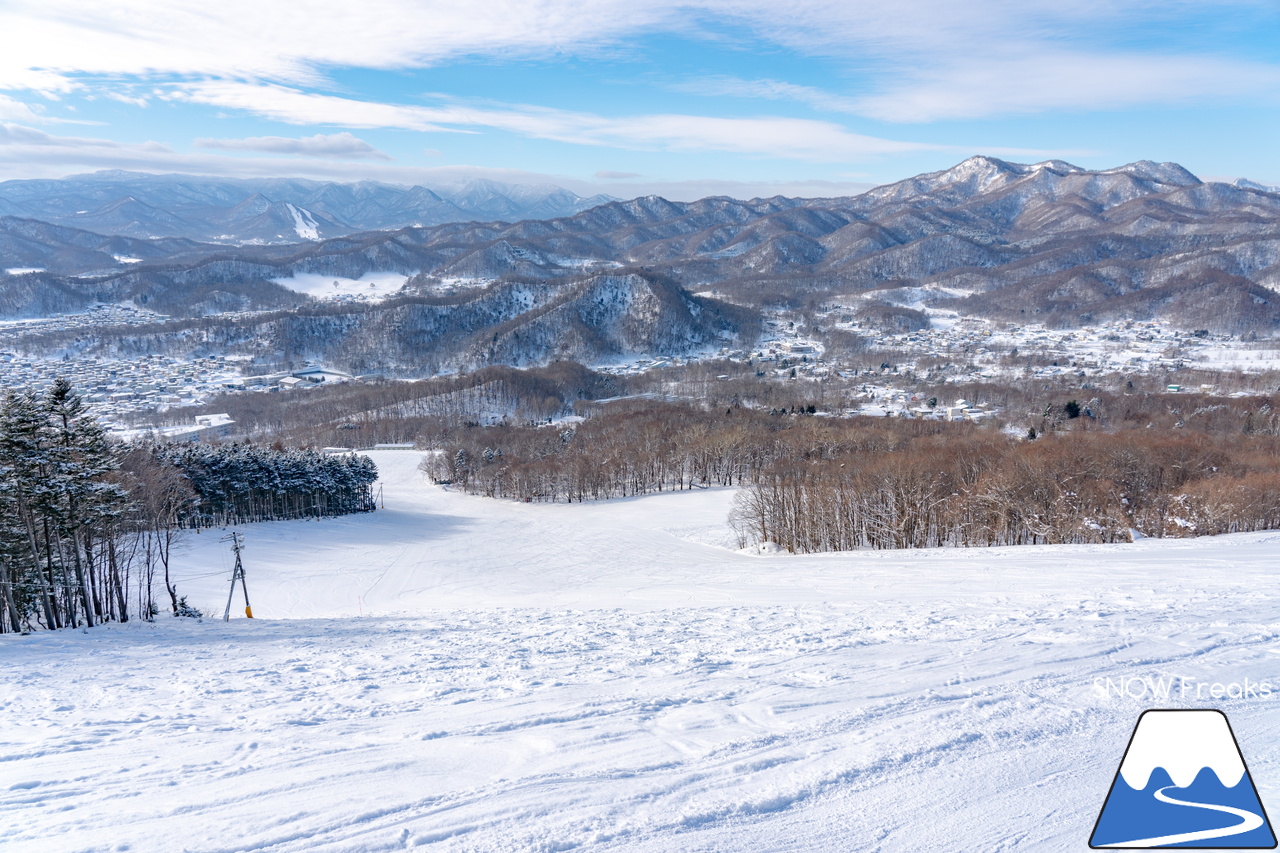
pixel 1246 358
pixel 372 285
pixel 463 674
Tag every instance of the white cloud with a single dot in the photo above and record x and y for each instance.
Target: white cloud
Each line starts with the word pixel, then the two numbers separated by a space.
pixel 126 98
pixel 29 153
pixel 802 139
pixel 341 145
pixel 45 43
pixel 696 188
pixel 17 137
pixel 294 106
pixel 12 109
pixel 1003 84
pixel 931 58
pixel 26 152
pixel 15 110
pixel 772 90
pixel 1004 81
pixel 606 175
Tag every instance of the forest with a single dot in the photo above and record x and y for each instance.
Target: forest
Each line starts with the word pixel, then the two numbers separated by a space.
pixel 242 483
pixel 1088 474
pixel 88 528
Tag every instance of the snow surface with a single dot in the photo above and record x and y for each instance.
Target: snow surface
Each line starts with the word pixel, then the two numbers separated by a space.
pixel 616 676
pixel 376 285
pixel 1243 358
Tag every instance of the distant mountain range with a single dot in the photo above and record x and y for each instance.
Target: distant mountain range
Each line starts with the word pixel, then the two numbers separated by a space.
pixel 283 210
pixel 1048 242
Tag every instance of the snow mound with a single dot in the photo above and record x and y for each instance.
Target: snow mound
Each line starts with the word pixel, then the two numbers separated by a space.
pixel 762 548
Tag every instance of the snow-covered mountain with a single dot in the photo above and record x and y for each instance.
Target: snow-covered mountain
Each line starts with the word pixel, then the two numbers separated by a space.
pixel 231 210
pixel 1047 242
pixel 258 219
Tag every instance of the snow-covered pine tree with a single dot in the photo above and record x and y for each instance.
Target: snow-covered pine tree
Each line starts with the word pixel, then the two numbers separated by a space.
pixel 25 440
pixel 80 459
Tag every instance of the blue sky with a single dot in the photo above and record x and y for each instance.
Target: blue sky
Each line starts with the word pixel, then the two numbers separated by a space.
pixel 743 97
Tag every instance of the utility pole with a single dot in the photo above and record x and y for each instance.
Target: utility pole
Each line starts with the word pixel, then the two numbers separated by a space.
pixel 237 575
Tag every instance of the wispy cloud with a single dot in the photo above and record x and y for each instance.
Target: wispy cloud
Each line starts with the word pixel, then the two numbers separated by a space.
pixel 929 59
pixel 763 136
pixel 46 44
pixel 16 136
pixel 1006 82
pixel 54 156
pixel 29 152
pixel 12 109
pixel 606 175
pixel 340 145
pixel 772 90
pixel 1003 83
pixel 791 138
pixel 696 188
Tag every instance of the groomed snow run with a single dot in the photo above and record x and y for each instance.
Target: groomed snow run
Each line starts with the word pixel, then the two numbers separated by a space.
pixel 615 676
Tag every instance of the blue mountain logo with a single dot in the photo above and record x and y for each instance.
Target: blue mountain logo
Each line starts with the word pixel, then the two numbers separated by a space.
pixel 1183 783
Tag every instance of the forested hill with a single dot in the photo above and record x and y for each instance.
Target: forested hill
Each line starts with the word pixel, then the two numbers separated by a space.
pixel 591 318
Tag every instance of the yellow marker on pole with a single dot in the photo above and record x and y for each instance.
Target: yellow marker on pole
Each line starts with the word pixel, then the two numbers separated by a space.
pixel 248 611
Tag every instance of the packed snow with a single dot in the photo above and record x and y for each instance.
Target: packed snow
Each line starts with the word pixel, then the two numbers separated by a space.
pixel 464 674
pixel 373 285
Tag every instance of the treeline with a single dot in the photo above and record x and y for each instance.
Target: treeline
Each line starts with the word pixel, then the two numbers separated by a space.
pixel 87 528
pixel 242 483
pixel 824 484
pixel 985 489
pixel 637 447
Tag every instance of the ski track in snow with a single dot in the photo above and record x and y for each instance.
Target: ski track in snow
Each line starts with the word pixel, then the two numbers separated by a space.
pixel 608 676
pixel 304 223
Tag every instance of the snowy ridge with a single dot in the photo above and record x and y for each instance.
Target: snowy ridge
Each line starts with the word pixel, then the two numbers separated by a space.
pixel 1183 743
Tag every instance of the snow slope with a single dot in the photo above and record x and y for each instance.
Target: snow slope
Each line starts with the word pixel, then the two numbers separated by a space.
pixel 374 284
pixel 608 677
pixel 304 223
